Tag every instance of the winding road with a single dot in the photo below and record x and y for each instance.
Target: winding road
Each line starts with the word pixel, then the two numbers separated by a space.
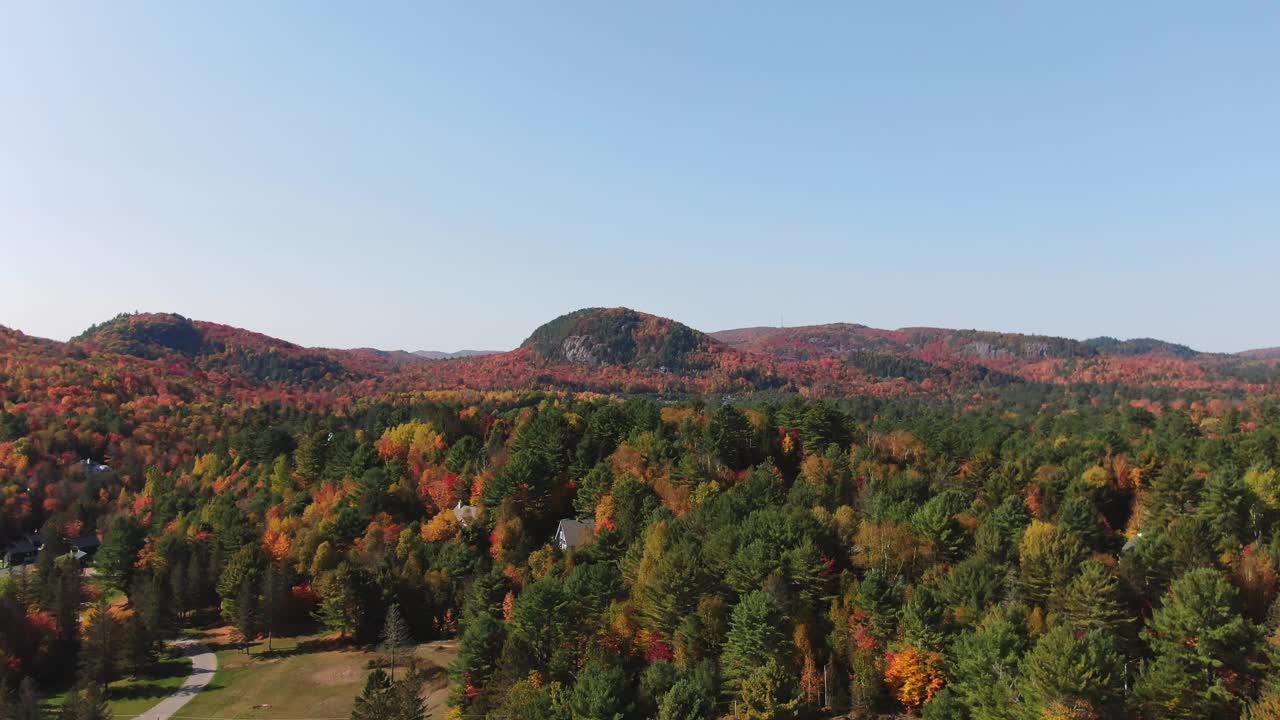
pixel 203 664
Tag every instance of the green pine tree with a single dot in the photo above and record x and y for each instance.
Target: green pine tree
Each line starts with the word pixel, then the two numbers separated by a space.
pixel 1092 601
pixel 1066 670
pixel 406 698
pixel 375 702
pixel 100 646
pixel 984 668
pixel 686 701
pixel 246 618
pixel 141 649
pixel 754 638
pixel 94 706
pixel 1203 646
pixel 599 694
pixel 72 704
pixel 274 595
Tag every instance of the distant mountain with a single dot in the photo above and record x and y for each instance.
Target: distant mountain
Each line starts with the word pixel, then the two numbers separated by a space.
pixel 842 338
pixel 934 357
pixel 441 355
pixel 1261 354
pixel 620 350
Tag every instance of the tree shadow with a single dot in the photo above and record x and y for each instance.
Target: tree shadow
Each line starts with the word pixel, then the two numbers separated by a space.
pixel 152 685
pixel 303 647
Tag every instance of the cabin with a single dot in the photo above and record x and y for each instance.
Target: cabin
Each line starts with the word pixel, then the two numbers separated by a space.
pixel 20 552
pixel 572 533
pixel 27 549
pixel 83 548
pixel 465 514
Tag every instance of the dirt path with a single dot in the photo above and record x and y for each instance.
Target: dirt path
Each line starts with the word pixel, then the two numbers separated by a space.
pixel 203 664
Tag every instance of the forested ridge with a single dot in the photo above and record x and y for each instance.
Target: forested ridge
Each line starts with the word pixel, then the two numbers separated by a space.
pixel 963 540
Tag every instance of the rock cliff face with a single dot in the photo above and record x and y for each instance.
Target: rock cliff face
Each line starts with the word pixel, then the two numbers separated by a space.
pixel 621 337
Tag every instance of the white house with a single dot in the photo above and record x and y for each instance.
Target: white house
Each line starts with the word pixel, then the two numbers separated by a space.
pixel 571 533
pixel 466 514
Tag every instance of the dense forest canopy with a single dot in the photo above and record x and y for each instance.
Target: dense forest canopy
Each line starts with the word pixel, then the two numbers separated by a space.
pixel 954 525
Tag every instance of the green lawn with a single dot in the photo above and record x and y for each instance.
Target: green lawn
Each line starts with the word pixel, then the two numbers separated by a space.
pixel 132 696
pixel 311 676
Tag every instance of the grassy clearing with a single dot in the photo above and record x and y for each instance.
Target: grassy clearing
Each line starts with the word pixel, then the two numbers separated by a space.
pixel 132 696
pixel 310 676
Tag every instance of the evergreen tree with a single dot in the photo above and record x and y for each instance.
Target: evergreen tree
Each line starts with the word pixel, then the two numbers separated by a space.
pixel 923 621
pixel 149 596
pixel 483 636
pixel 100 647
pixel 754 638
pixel 731 438
pixel 195 584
pixel 68 598
pixel 1227 504
pixel 686 701
pixel 141 648
pixel 395 636
pixel 274 594
pixel 1203 648
pixel 246 618
pixel 178 591
pixel 599 694
pixel 1079 516
pixel 1164 690
pixel 1092 601
pixel 375 702
pixel 1066 670
pixel 766 693
pixel 117 558
pixel 243 570
pixel 1048 556
pixel 94 705
pixel 984 669
pixel 936 522
pixel 47 571
pixel 338 607
pixel 406 698
pixel 73 704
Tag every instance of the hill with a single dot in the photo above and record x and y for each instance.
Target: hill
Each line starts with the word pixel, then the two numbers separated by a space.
pixel 621 336
pixel 443 355
pixel 960 357
pixel 1261 354
pixel 620 350
pixel 212 347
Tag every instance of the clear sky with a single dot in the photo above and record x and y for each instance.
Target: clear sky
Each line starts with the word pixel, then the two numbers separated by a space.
pixel 447 175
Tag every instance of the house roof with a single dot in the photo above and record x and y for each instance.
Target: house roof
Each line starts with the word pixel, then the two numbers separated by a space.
pixel 20 547
pixel 88 542
pixel 575 532
pixel 465 513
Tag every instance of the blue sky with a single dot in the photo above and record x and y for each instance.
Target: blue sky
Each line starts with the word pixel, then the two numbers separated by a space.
pixel 447 175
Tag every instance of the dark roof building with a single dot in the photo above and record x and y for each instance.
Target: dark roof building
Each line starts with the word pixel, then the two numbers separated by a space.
pixel 20 553
pixel 572 533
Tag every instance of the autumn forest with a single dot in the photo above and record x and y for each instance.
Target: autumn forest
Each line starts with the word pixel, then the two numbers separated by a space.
pixel 626 518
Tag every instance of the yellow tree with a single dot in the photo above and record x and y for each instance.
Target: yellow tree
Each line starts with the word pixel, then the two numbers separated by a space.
pixel 914 675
